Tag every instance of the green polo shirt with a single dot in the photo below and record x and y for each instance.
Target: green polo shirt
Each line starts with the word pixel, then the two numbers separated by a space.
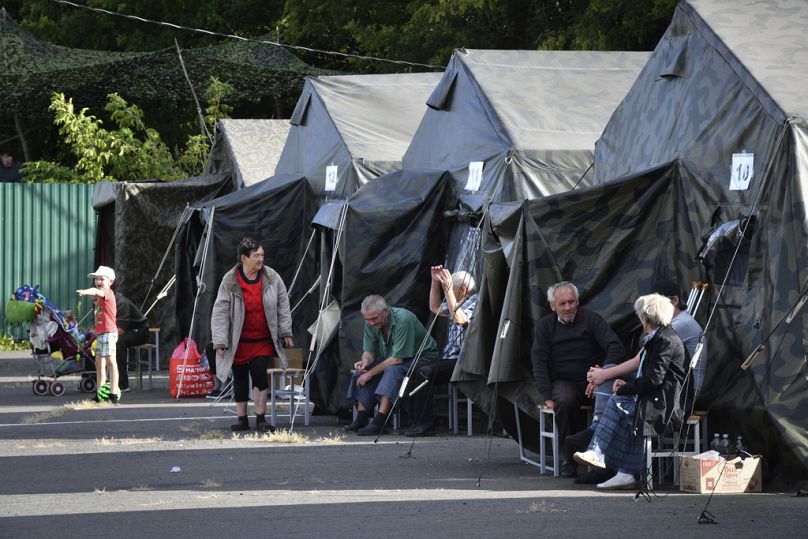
pixel 404 336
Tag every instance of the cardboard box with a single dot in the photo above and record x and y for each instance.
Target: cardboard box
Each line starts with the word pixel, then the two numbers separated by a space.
pixel 732 476
pixel 294 356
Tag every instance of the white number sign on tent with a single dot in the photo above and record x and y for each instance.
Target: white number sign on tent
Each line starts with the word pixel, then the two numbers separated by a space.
pixel 475 176
pixel 743 166
pixel 331 178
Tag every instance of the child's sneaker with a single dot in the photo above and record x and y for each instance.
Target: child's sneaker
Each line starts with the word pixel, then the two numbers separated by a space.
pixel 115 399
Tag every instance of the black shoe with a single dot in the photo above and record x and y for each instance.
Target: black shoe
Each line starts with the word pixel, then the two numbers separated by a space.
pixel 569 470
pixel 242 425
pixel 115 399
pixel 264 428
pixel 356 425
pixel 371 429
pixel 420 430
pixel 594 476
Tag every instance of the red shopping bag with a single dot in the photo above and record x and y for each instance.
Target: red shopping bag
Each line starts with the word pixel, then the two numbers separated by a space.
pixel 185 370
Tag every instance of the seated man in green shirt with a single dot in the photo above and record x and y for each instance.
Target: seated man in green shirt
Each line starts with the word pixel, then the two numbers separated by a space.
pixel 392 337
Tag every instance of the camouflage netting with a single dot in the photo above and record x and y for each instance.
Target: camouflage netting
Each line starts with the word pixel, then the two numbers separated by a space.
pixel 34 69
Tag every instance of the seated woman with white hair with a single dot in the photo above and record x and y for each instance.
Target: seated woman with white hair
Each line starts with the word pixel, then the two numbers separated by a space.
pixel 648 405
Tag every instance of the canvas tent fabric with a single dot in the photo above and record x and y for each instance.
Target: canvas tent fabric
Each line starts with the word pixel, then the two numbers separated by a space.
pixel 723 95
pixel 260 211
pixel 250 149
pixel 530 117
pixel 662 174
pixel 361 124
pixel 394 231
pixel 137 222
pixel 33 69
pixel 613 241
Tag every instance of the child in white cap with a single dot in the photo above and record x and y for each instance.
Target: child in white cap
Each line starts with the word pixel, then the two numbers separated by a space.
pixel 106 333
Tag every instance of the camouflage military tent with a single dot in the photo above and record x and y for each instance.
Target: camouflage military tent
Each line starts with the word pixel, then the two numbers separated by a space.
pixel 258 211
pixel 721 104
pixel 249 149
pixel 359 124
pixel 531 118
pixel 136 224
pixel 704 158
pixel 394 229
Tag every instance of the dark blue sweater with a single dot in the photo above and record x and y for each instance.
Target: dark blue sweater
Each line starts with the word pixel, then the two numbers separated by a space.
pixel 566 351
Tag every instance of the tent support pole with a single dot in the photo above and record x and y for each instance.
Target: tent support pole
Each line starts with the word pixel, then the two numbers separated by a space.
pixel 199 290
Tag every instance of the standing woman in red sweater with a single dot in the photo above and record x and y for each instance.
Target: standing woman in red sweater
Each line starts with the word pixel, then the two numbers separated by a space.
pixel 251 322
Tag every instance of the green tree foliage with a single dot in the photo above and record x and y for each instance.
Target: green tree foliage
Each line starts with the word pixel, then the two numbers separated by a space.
pixel 428 31
pixel 131 151
pixel 421 31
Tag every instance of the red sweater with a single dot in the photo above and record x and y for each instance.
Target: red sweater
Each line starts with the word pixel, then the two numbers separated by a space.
pixel 256 339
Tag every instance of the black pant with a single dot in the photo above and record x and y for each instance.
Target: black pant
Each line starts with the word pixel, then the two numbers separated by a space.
pixel 437 373
pixel 134 337
pixel 569 397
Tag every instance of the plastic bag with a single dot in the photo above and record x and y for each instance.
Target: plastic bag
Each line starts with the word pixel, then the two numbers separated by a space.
pixel 185 370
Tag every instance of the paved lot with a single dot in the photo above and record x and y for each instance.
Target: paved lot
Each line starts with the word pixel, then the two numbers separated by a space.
pixel 106 472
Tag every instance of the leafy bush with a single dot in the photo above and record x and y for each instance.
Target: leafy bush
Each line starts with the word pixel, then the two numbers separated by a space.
pixel 130 152
pixel 8 344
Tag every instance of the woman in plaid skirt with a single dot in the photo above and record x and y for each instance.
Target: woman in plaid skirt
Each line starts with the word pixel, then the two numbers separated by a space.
pixel 648 405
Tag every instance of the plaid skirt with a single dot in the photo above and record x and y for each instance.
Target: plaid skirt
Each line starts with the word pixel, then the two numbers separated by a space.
pixel 614 437
pixel 385 385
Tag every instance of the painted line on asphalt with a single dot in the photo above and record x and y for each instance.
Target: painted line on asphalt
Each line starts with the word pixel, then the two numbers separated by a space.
pixel 88 422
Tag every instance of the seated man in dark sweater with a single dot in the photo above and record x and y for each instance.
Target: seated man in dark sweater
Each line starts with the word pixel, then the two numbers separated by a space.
pixel 565 345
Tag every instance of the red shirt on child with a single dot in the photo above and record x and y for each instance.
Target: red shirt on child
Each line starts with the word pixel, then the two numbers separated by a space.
pixel 105 311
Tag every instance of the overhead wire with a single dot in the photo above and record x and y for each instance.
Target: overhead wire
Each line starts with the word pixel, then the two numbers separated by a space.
pixel 247 39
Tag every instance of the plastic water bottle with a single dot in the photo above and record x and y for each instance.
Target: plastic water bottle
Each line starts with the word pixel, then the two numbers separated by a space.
pixel 740 450
pixel 725 446
pixel 715 445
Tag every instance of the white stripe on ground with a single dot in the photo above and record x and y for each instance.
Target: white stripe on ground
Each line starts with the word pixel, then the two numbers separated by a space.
pixel 74 503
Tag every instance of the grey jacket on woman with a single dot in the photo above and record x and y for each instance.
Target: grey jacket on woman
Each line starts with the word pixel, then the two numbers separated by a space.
pixel 227 318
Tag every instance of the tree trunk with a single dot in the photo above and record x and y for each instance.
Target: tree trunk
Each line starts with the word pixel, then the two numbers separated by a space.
pixel 25 153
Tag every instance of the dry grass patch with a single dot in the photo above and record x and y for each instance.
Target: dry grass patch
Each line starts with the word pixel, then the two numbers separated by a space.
pixel 193 426
pixel 210 483
pixel 212 435
pixel 331 439
pixel 86 404
pixel 127 441
pixel 278 437
pixel 41 417
pixel 62 410
pixel 141 488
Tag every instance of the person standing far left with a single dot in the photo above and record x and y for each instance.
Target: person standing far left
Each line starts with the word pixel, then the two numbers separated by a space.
pixel 106 333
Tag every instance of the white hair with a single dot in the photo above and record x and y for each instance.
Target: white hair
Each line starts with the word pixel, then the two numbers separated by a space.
pixel 552 289
pixel 464 278
pixel 654 309
pixel 373 304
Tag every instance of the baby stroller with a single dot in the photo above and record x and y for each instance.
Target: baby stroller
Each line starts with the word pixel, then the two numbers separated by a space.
pixel 57 345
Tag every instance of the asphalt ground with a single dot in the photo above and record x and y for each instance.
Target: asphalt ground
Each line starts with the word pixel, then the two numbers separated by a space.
pixel 106 471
